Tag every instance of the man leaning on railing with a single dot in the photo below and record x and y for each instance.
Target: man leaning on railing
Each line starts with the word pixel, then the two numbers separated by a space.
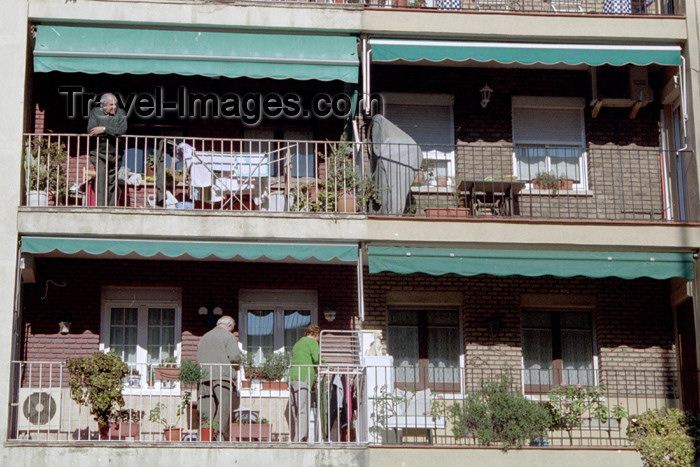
pixel 107 122
pixel 216 351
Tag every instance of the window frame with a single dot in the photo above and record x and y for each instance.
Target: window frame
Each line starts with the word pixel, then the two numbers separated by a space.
pixel 142 298
pixel 423 358
pixel 552 103
pixel 278 301
pixel 556 354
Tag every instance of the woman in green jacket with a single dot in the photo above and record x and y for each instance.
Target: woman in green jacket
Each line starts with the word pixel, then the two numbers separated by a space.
pixel 302 375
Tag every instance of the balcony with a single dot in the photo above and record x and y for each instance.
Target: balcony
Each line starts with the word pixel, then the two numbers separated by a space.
pixel 502 181
pixel 391 406
pixel 567 7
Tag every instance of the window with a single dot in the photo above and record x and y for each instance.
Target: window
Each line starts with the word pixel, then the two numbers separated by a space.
pixel 549 137
pixel 557 347
pixel 426 347
pixel 142 326
pixel 273 321
pixel 429 120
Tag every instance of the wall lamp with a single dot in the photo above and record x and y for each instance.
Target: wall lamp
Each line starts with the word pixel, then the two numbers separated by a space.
pixel 211 315
pixel 486 92
pixel 493 325
pixel 64 327
pixel 329 313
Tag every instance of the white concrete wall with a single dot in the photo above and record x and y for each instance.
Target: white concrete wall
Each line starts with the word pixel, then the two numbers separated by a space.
pixel 13 53
pixel 165 456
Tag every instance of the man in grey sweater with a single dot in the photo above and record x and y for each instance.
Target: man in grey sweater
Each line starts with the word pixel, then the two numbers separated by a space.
pixel 216 351
pixel 107 122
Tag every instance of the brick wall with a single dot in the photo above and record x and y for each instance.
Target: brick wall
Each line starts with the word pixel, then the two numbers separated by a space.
pixel 45 303
pixel 633 321
pixel 623 161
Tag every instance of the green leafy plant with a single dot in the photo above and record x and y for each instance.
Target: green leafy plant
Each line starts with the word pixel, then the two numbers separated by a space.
pixel 549 181
pixel 160 412
pixel 386 404
pixel 662 438
pixel 96 382
pixel 213 424
pixel 128 415
pixel 168 362
pixel 150 374
pixel 44 166
pixel 497 414
pixel 274 368
pixel 571 403
pixel 342 176
pixel 191 373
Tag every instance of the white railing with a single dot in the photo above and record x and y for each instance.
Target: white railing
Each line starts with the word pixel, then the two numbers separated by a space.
pixel 42 409
pixel 144 172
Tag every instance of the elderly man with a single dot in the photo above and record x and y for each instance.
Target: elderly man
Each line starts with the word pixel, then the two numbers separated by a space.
pixel 216 351
pixel 107 122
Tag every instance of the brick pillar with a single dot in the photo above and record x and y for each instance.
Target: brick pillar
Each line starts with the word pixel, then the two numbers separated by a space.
pixel 39 124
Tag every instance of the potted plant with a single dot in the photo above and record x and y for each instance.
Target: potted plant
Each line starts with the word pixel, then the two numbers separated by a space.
pixel 343 189
pixel 150 376
pixel 269 373
pixel 255 429
pixel 44 171
pixel 127 424
pixel 96 382
pixel 191 373
pixel 208 430
pixel 161 413
pixel 133 380
pixel 274 369
pixel 552 182
pixel 167 369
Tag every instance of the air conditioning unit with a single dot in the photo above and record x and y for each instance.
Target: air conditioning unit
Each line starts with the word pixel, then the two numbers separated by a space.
pixel 626 86
pixel 39 409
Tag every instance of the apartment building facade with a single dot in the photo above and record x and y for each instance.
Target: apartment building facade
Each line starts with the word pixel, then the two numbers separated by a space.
pixel 484 189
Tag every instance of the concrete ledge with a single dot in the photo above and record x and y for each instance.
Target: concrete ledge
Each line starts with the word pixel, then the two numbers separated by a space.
pixel 164 455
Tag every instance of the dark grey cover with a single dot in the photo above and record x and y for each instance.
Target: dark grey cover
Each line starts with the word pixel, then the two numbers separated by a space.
pixel 395 161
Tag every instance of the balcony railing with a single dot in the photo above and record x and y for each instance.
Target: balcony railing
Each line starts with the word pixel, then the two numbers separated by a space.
pixel 191 173
pixel 568 7
pixel 466 181
pixel 159 408
pixel 351 405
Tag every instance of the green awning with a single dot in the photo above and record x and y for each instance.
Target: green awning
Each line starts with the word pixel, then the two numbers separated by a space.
pixel 472 262
pixel 158 249
pixel 402 50
pixel 195 52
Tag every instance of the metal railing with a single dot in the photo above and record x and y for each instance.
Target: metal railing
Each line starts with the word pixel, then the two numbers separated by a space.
pixel 350 404
pixel 465 407
pixel 205 174
pixel 142 172
pixel 568 7
pixel 527 182
pixel 160 408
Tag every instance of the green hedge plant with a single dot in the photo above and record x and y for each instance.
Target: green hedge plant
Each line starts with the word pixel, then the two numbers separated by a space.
pixel 96 382
pixel 662 438
pixel 496 414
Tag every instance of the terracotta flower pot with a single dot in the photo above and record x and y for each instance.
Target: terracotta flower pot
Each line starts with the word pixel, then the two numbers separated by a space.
pixel 206 434
pixel 172 434
pixel 167 373
pixel 250 432
pixel 447 212
pixel 346 202
pixel 275 385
